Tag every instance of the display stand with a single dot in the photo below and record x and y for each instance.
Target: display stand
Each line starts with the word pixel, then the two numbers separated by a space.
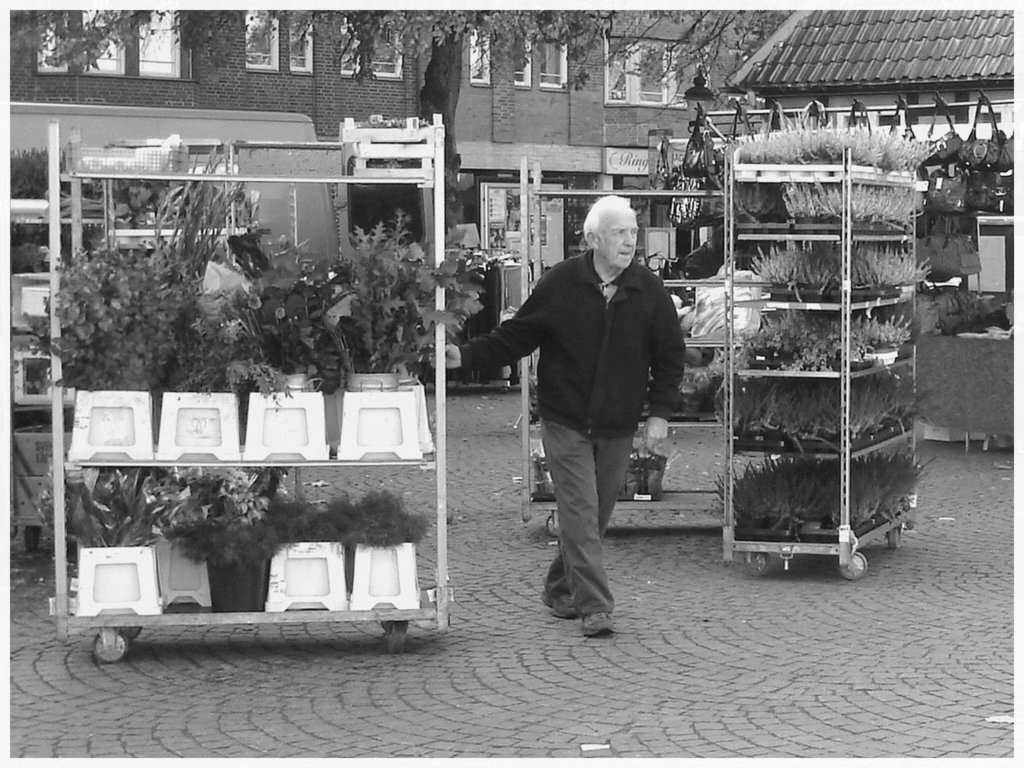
pixel 689 507
pixel 423 142
pixel 845 542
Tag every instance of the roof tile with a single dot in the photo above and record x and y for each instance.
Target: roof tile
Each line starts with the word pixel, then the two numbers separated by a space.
pixel 842 47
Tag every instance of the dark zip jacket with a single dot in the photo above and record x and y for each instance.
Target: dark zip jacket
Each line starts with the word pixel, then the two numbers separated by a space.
pixel 599 364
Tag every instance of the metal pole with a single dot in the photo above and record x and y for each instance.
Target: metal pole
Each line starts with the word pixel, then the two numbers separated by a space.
pixel 728 521
pixel 440 385
pixel 845 532
pixel 524 364
pixel 56 374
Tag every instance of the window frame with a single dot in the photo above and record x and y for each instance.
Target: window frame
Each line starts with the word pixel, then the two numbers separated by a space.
pixel 115 53
pixel 275 43
pixel 671 94
pixel 175 48
pixel 395 43
pixel 307 45
pixel 527 71
pixel 479 53
pixel 563 74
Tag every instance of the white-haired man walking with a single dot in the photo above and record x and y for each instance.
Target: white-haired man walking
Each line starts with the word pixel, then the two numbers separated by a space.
pixel 609 343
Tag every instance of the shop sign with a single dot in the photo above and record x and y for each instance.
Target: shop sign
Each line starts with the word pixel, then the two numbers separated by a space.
pixel 626 161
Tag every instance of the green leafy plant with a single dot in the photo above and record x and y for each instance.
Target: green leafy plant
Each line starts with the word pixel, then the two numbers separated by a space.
pixel 809 340
pixel 386 317
pixel 121 315
pixel 220 515
pixel 874 266
pixel 875 334
pixel 805 200
pixel 878 484
pixel 814 266
pixel 780 495
pixel 298 521
pixel 118 507
pixel 887 151
pixel 192 218
pixel 380 519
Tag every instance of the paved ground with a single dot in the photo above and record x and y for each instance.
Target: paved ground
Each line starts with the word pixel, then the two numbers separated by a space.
pixel 914 660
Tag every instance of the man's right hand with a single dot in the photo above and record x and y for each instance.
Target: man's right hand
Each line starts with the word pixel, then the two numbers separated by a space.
pixel 452 357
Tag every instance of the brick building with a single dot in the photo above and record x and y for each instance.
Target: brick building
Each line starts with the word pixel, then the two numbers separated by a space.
pixel 591 137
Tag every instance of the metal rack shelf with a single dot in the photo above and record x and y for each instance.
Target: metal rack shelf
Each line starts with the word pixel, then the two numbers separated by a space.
pixel 111 642
pixel 843 543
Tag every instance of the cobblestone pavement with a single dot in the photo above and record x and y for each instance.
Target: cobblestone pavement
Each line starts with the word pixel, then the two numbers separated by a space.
pixel 913 660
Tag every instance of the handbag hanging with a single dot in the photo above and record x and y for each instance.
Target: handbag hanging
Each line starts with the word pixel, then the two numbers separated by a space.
pixel 946 148
pixel 947 190
pixel 859 115
pixel 990 192
pixel 901 118
pixel 986 154
pixel 813 116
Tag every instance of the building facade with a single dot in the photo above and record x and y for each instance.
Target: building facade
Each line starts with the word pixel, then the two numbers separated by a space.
pixel 589 137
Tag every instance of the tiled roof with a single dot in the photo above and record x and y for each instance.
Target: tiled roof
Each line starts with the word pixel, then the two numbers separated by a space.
pixel 865 48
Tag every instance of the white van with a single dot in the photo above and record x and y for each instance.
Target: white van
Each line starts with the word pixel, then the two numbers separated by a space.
pixel 100 125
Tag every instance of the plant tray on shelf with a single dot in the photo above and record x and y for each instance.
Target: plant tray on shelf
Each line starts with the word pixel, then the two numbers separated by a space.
pixel 767 443
pixel 130 159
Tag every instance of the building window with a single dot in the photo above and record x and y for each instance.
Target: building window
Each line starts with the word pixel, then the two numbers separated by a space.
pixel 616 81
pixel 554 65
pixel 159 51
pixel 300 42
pixel 523 74
pixel 112 62
pixel 643 73
pixel 261 40
pixel 479 60
pixel 387 57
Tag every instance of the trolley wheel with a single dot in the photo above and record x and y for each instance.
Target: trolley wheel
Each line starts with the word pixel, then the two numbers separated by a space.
pixel 110 646
pixel 759 563
pixel 394 635
pixel 552 525
pixel 894 537
pixel 130 633
pixel 856 568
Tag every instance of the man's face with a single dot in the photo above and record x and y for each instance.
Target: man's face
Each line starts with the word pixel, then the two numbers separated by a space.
pixel 614 240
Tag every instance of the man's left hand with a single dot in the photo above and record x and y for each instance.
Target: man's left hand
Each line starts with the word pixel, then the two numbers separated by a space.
pixel 655 430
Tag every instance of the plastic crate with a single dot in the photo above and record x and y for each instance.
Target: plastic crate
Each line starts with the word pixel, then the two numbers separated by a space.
pixel 130 160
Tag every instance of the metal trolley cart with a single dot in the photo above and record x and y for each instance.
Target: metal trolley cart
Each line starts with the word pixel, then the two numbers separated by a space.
pixel 766 551
pixel 688 506
pixel 421 149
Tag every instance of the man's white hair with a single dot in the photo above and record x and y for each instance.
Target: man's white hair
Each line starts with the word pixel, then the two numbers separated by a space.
pixel 605 205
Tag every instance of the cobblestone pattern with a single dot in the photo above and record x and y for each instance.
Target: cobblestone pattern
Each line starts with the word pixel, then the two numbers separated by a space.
pixel 707 661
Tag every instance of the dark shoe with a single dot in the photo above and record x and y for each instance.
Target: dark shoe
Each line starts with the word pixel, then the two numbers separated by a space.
pixel 599 623
pixel 561 606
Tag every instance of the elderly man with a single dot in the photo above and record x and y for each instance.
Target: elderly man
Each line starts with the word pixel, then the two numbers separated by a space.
pixel 609 342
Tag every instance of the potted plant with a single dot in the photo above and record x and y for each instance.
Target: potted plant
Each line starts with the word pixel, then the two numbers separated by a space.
pixel 879 271
pixel 878 485
pixel 884 150
pixel 386 313
pixel 120 314
pixel 116 515
pixel 881 339
pixel 312 566
pixel 808 273
pixel 774 498
pixel 384 536
pixel 221 520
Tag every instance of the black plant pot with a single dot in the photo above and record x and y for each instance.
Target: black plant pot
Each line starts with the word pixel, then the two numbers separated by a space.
pixel 238 587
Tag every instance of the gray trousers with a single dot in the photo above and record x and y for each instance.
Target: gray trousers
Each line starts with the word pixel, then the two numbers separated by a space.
pixel 587 474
